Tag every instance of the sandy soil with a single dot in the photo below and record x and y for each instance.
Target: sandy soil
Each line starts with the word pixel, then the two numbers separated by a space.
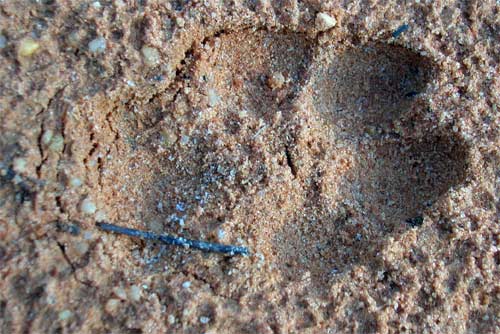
pixel 353 147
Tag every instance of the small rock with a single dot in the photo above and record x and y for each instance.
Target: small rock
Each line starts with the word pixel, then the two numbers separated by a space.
pixel 3 41
pixel 19 165
pixel 135 293
pixel 181 206
pixel 151 55
pixel 204 320
pixel 88 207
pixel 47 137
pixel 81 247
pixel 75 182
pixel 65 315
pixel 184 140
pixel 276 81
pixel 112 306
pixel 169 137
pixel 180 22
pixel 57 143
pixel 97 45
pixel 101 216
pixel 186 285
pixel 171 319
pixel 213 98
pixel 27 47
pixel 120 293
pixel 325 22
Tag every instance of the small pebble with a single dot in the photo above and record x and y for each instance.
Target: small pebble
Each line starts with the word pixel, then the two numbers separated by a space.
pixel 169 137
pixel 19 165
pixel 120 293
pixel 101 216
pixel 47 137
pixel 88 235
pixel 204 320
pixel 181 206
pixel 88 207
pixel 64 315
pixel 325 22
pixel 171 319
pixel 180 22
pixel 135 293
pixel 97 45
pixel 112 305
pixel 151 55
pixel 186 284
pixel 75 182
pixel 27 47
pixel 81 247
pixel 276 81
pixel 184 140
pixel 57 143
pixel 213 98
pixel 3 41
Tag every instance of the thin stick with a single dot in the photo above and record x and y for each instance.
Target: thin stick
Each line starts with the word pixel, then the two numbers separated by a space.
pixel 176 241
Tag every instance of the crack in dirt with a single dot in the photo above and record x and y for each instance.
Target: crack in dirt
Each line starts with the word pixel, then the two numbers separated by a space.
pixel 73 267
pixel 199 278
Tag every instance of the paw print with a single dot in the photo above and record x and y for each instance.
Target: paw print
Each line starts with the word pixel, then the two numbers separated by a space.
pixel 312 157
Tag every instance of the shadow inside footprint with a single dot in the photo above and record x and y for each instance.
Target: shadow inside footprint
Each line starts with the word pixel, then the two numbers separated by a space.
pixel 373 178
pixel 369 86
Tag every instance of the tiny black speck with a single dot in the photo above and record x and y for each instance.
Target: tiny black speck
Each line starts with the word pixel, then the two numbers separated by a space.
pixel 415 221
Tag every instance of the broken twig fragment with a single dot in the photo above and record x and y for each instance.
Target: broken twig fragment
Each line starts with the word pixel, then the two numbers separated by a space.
pixel 176 241
pixel 400 30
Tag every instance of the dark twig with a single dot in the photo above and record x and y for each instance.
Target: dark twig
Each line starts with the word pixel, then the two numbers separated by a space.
pixel 400 30
pixel 176 241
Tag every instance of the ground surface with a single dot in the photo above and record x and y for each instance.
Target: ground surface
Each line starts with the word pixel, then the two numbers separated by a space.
pixel 359 163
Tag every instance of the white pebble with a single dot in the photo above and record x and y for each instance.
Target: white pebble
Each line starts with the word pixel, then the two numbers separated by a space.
pixel 19 165
pixel 204 320
pixel 64 315
pixel 171 319
pixel 135 293
pixel 97 45
pixel 120 293
pixel 101 215
pixel 180 22
pixel 221 234
pixel 151 55
pixel 88 207
pixel 75 182
pixel 184 140
pixel 88 235
pixel 186 284
pixel 213 98
pixel 47 137
pixel 96 5
pixel 112 305
pixel 81 247
pixel 325 22
pixel 57 143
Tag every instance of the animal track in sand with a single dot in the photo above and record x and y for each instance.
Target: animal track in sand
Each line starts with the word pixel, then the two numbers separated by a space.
pixel 313 157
